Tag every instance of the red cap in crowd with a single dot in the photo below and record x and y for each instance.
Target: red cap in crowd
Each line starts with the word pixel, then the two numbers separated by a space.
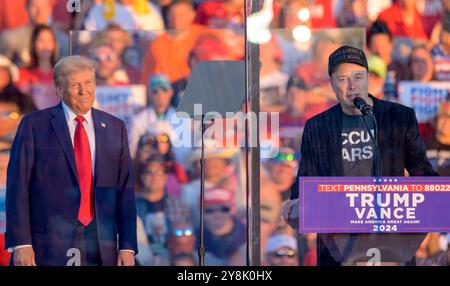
pixel 219 196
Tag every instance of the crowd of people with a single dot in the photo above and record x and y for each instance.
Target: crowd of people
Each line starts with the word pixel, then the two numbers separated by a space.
pixel 156 44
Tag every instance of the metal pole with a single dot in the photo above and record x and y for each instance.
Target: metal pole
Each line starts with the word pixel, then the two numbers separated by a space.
pixel 252 66
pixel 201 248
pixel 247 177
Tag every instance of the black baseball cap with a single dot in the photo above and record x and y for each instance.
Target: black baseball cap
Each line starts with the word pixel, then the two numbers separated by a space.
pixel 346 54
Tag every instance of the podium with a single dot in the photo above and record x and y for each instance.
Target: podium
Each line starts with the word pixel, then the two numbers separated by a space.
pixel 373 248
pixel 372 220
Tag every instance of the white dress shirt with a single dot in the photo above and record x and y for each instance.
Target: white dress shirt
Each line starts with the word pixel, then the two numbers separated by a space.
pixel 88 125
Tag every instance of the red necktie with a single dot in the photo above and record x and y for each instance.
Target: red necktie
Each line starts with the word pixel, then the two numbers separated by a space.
pixel 84 168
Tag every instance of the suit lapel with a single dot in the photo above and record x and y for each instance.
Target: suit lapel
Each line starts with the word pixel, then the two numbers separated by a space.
pixel 335 125
pixel 380 112
pixel 59 125
pixel 100 142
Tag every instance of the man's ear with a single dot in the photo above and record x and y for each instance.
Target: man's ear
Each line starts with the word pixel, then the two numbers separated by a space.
pixel 59 91
pixel 332 83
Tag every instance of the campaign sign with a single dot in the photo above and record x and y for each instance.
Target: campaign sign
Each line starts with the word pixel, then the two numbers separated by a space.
pixel 121 101
pixel 424 98
pixel 374 205
pixel 442 68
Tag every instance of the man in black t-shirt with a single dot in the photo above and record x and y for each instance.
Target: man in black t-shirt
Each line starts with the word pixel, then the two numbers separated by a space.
pixel 357 148
pixel 335 143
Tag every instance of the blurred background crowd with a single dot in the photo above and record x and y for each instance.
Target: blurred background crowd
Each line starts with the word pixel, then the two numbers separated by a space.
pixel 145 51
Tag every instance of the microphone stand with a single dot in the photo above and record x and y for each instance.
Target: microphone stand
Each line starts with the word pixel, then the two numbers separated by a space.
pixel 376 173
pixel 366 111
pixel 378 168
pixel 201 248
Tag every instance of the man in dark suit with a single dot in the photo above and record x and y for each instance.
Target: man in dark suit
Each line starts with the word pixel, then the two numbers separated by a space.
pixel 336 143
pixel 70 195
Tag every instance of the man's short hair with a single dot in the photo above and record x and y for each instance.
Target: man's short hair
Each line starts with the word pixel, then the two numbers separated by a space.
pixel 296 81
pixel 71 64
pixel 113 27
pixel 378 27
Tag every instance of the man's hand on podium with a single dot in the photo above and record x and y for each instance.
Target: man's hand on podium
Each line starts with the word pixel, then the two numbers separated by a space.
pixel 290 212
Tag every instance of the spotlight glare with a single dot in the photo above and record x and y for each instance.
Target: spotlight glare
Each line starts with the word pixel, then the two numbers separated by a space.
pixel 301 34
pixel 304 14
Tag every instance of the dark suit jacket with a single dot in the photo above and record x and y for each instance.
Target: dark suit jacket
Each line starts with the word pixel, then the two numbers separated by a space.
pixel 398 138
pixel 43 197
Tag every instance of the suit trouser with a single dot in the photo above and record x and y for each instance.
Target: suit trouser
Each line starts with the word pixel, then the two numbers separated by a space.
pixel 86 241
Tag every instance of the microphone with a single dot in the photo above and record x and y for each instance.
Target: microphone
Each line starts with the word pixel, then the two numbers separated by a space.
pixel 363 106
pixel 367 110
